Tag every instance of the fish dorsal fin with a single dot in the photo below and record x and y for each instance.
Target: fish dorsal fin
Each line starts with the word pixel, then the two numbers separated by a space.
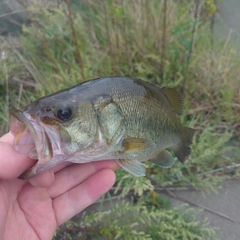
pixel 175 99
pixel 132 166
pixel 163 159
pixel 136 144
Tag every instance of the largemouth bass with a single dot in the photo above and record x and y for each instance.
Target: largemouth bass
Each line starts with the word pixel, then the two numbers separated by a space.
pixel 119 118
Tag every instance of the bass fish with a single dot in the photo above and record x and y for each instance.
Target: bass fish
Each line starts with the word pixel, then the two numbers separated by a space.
pixel 125 119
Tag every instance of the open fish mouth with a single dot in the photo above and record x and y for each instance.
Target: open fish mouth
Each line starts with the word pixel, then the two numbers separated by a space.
pixel 26 137
pixel 31 136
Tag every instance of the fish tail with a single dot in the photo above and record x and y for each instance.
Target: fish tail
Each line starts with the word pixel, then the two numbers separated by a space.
pixel 182 151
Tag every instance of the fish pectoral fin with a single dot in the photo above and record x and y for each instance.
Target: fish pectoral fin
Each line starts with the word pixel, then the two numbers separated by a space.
pixel 132 166
pixel 131 145
pixel 163 159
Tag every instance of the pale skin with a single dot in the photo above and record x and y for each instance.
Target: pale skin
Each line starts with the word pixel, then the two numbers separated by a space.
pixel 33 209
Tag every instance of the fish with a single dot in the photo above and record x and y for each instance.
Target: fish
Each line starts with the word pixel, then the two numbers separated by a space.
pixel 128 120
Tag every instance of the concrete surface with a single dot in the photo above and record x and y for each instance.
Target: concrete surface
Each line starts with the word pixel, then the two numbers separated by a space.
pixel 226 201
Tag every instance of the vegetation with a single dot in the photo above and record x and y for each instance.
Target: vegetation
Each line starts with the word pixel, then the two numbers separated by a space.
pixel 171 43
pixel 137 221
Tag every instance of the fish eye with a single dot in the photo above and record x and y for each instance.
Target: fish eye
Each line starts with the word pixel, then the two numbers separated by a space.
pixel 64 114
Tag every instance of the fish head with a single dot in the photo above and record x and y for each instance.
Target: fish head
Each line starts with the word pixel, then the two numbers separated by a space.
pixel 51 129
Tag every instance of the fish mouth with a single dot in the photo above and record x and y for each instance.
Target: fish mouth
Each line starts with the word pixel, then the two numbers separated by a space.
pixel 31 136
pixel 23 131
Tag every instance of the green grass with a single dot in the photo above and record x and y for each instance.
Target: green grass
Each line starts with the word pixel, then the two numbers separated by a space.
pixel 61 48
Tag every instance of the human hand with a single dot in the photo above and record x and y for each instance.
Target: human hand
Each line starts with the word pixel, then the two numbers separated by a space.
pixel 33 209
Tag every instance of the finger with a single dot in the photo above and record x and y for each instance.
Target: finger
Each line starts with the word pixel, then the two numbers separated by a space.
pixel 12 163
pixel 47 178
pixel 75 174
pixel 44 179
pixel 7 138
pixel 75 200
pixel 62 165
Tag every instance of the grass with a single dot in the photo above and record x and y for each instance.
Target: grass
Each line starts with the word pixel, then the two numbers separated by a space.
pixel 166 42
